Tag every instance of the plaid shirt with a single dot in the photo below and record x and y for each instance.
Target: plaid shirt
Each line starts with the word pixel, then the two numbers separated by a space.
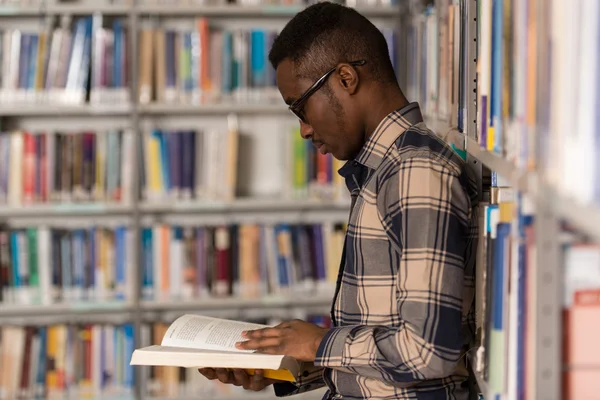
pixel 404 303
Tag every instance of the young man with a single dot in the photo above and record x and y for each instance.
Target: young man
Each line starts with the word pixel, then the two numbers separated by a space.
pixel 403 307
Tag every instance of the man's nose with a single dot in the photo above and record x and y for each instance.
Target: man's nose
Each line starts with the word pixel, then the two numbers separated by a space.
pixel 306 131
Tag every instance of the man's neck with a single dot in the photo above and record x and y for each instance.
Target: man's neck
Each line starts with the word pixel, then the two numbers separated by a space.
pixel 387 102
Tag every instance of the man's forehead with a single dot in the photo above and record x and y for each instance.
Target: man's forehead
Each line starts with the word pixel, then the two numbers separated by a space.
pixel 288 81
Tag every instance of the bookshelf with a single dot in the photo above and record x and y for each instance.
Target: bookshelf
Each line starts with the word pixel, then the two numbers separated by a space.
pixel 454 105
pixel 263 199
pixel 499 49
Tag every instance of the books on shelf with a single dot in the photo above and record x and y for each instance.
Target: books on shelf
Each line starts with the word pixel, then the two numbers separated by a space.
pixel 71 63
pixel 207 63
pixel 65 167
pixel 196 165
pixel 581 313
pixel 177 382
pixel 44 265
pixel 507 313
pixel 66 361
pixel 208 3
pixel 191 164
pixel 245 261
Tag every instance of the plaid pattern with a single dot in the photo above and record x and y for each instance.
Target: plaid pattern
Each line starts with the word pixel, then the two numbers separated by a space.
pixel 404 304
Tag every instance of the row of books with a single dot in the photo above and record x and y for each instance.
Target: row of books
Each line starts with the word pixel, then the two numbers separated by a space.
pixel 42 265
pixel 45 167
pixel 204 165
pixel 48 66
pixel 435 70
pixel 42 167
pixel 208 63
pixel 530 78
pixel 176 383
pixel 190 164
pixel 247 260
pixel 66 361
pixel 506 311
pixel 88 60
pixel 142 3
pixel 58 64
pixel 349 3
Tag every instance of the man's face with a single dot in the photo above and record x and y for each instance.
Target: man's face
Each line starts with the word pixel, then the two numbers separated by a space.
pixel 329 124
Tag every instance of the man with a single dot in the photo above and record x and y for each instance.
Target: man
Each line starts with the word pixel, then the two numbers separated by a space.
pixel 402 310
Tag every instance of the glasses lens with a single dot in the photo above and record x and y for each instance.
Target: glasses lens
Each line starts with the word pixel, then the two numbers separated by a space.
pixel 298 113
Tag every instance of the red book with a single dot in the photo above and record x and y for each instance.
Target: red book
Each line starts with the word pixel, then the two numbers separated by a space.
pixel 44 167
pixel 223 261
pixel 28 168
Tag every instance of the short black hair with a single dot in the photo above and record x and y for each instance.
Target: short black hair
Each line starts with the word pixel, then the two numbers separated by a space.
pixel 326 34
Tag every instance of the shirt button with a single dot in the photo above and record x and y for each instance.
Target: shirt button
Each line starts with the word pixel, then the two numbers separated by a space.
pixel 305 374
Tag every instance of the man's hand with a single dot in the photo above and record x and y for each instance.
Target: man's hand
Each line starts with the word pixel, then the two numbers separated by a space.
pixel 297 339
pixel 239 377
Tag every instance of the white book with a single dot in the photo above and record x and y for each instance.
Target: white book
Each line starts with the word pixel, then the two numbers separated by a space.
pixel 583 176
pixel 195 341
pixel 128 144
pixel 15 179
pixel 44 264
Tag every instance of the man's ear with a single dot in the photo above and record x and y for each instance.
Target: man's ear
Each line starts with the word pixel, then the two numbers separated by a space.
pixel 348 78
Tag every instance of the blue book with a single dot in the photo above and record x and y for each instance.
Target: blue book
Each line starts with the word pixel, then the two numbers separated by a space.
pixel 227 72
pixel 258 58
pixel 129 376
pixel 120 280
pixel 118 54
pixel 14 252
pixel 496 90
pixel 147 263
pixel 78 262
pixel 33 51
pixel 283 259
pixel 25 54
pixel 91 278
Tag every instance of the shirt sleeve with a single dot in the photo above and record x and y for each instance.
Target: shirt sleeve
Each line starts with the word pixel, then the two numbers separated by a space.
pixel 425 212
pixel 310 378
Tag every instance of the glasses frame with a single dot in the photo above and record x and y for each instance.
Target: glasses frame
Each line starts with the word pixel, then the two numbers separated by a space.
pixel 296 106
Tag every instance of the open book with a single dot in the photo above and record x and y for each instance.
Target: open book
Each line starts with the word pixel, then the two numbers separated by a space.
pixel 194 341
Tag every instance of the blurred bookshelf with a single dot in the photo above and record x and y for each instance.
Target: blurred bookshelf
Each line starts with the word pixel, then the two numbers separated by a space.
pixel 133 191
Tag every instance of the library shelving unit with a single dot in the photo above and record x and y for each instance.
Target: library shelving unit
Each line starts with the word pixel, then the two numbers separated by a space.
pixel 510 41
pixel 264 205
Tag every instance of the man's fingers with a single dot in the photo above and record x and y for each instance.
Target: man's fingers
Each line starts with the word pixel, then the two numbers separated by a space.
pixel 241 378
pixel 262 345
pixel 209 373
pixel 224 375
pixel 258 381
pixel 262 333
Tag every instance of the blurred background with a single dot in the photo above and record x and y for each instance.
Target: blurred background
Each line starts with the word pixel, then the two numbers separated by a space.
pixel 149 168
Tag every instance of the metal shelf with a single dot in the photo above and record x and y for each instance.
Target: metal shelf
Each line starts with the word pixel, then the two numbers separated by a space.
pixel 75 307
pixel 236 303
pixel 243 204
pixel 583 217
pixel 65 209
pixel 215 108
pixel 53 110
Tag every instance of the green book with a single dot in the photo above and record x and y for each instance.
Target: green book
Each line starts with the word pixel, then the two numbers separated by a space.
pixel 34 281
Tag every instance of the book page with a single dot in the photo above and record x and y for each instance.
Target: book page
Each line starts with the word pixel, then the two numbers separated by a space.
pixel 194 331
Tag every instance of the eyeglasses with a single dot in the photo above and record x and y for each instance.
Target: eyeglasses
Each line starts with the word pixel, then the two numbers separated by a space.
pixel 296 106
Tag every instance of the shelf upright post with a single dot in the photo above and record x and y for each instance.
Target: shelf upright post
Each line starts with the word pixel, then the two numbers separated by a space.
pixel 548 275
pixel 133 17
pixel 470 117
pixel 548 302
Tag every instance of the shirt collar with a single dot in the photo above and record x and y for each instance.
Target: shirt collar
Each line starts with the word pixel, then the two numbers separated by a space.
pixel 385 135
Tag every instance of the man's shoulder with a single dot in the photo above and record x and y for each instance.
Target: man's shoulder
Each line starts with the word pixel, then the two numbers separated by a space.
pixel 419 142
